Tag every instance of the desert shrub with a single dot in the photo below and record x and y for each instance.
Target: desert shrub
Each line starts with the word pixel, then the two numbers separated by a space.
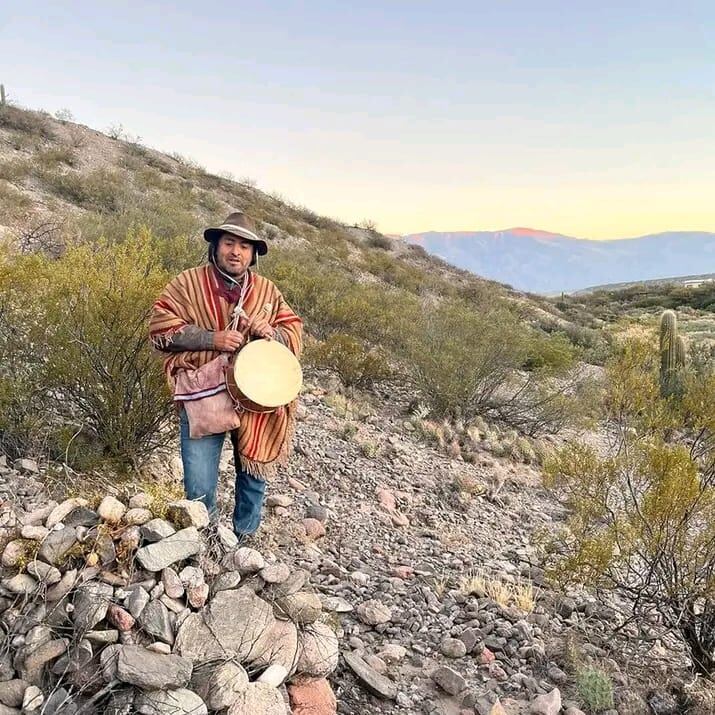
pixel 643 516
pixel 56 155
pixel 350 360
pixel 14 171
pixel 100 190
pixel 78 328
pixel 12 201
pixel 377 240
pixel 26 121
pixel 552 352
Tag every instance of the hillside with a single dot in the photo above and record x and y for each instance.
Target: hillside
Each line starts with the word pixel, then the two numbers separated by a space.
pixel 413 525
pixel 550 263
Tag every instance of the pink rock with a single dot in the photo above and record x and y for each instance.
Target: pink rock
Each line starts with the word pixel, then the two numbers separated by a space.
pixel 312 697
pixel 487 657
pixel 119 618
pixel 403 572
pixel 399 519
pixel 386 499
pixel 313 529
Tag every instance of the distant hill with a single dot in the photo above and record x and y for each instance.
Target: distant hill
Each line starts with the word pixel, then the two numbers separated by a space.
pixel 549 263
pixel 695 281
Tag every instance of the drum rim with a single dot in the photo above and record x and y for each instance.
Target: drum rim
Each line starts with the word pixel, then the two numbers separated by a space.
pixel 281 348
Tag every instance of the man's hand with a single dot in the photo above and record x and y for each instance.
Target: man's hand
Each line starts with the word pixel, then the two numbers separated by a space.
pixel 261 328
pixel 227 340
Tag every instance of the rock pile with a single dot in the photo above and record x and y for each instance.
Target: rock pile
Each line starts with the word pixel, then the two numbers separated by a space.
pixel 122 610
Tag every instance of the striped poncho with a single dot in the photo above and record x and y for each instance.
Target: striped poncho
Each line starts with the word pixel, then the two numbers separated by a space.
pixel 197 297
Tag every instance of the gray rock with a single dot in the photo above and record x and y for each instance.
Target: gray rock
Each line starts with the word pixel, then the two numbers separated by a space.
pixel 102 637
pixel 151 671
pixel 246 560
pixel 220 686
pixel 22 583
pixel 33 699
pixel 45 573
pixel 81 516
pixel 300 607
pixel 549 704
pixel 61 702
pixel 449 680
pixel 335 604
pixel 374 613
pixel 91 601
pixel 108 658
pixel 156 530
pixel 154 619
pixel 226 537
pixel 372 680
pixel 565 606
pixel 26 466
pixel 56 545
pixel 226 581
pixel 453 648
pixel 280 646
pixel 316 511
pixel 136 600
pixel 74 660
pixel 63 586
pixel 259 698
pixel 173 587
pixel 34 663
pixel 275 573
pixel 171 702
pixel 185 513
pixel 64 508
pixel 11 692
pixel 318 651
pixel 241 622
pixel 168 551
pixel 196 641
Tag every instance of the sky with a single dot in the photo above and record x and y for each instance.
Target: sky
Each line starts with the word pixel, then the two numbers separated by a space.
pixel 591 119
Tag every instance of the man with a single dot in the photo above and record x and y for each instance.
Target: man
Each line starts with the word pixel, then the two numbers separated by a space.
pixel 190 323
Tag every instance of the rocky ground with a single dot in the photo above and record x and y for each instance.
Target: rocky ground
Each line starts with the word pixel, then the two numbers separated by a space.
pixel 423 566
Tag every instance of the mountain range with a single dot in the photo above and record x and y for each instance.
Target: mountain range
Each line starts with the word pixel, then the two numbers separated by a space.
pixel 549 263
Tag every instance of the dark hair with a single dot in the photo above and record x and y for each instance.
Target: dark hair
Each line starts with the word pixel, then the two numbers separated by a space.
pixel 211 257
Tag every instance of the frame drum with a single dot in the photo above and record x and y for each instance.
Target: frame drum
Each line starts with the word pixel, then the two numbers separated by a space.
pixel 266 375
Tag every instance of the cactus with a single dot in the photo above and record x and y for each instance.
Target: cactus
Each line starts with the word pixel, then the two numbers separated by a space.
pixel 2 95
pixel 595 689
pixel 672 356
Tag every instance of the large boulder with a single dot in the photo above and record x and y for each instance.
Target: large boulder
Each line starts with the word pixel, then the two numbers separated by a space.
pixel 241 622
pixel 319 651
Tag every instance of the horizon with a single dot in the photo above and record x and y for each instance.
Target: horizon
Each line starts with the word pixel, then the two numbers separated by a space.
pixel 405 115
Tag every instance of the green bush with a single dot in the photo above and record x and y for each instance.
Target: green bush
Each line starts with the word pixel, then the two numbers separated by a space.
pixel 642 518
pixel 77 326
pixel 350 360
pixel 26 121
pixel 101 190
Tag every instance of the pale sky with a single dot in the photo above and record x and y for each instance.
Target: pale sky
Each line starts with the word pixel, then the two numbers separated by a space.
pixel 592 119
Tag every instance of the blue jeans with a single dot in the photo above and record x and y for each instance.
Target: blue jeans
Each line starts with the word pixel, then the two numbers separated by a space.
pixel 201 461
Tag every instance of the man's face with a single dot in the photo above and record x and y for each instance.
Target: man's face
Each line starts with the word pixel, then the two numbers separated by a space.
pixel 233 254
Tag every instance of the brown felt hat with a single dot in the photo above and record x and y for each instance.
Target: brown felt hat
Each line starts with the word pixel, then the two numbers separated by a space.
pixel 238 224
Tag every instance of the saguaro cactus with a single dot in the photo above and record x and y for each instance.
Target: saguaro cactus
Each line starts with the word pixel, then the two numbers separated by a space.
pixel 2 95
pixel 672 355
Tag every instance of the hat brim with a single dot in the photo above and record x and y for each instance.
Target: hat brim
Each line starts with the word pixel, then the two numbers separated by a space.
pixel 213 234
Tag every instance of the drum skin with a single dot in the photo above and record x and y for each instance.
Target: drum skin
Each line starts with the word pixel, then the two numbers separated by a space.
pixel 263 376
